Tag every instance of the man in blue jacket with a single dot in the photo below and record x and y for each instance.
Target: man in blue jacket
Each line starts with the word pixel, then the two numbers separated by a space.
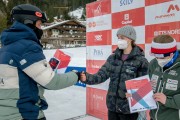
pixel 24 71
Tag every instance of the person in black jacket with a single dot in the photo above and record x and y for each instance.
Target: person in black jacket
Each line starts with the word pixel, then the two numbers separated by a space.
pixel 127 62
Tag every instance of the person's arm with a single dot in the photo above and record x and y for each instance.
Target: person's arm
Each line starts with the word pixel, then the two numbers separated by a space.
pixel 143 69
pixel 101 76
pixel 34 64
pixel 173 102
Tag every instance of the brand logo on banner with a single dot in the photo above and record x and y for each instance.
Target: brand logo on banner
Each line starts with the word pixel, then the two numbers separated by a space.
pixel 91 24
pixel 126 20
pixel 165 28
pixel 172 8
pixel 98 8
pixel 94 65
pixel 98 52
pixel 99 23
pixel 134 17
pixel 123 5
pixel 97 11
pixel 99 38
pixel 169 32
pixel 125 2
pixel 170 11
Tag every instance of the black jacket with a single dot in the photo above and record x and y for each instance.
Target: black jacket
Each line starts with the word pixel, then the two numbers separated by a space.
pixel 119 71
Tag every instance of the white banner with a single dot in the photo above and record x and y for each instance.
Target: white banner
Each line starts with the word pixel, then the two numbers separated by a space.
pixel 162 13
pixel 99 23
pixel 98 52
pixel 123 5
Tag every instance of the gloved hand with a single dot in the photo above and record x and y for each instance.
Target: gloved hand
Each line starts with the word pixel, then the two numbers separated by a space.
pixel 77 73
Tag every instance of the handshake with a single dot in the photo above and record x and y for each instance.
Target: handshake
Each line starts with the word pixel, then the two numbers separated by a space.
pixel 81 75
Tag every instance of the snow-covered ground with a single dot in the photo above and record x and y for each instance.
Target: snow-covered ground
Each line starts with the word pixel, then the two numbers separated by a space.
pixel 68 103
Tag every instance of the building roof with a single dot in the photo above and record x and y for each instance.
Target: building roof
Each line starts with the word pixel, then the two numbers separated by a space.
pixel 61 23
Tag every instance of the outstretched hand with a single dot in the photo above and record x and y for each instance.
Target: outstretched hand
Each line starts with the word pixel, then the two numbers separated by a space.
pixel 83 76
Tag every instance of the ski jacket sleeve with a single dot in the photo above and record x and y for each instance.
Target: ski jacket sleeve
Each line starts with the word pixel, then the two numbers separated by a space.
pixel 143 69
pixel 101 76
pixel 34 64
pixel 173 102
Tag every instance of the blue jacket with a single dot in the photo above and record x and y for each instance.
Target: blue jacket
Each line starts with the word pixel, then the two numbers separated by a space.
pixel 24 73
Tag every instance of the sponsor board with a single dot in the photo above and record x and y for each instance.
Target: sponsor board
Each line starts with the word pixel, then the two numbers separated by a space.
pixel 98 52
pixel 123 5
pixel 98 8
pixel 172 29
pixel 167 12
pixel 99 38
pixel 133 17
pixel 93 66
pixel 99 23
pixel 96 103
pixel 153 2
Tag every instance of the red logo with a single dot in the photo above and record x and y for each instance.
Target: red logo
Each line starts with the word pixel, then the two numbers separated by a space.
pixel 92 24
pixel 173 7
pixel 38 14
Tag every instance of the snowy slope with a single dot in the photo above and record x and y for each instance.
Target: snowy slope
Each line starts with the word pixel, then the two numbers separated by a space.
pixel 70 102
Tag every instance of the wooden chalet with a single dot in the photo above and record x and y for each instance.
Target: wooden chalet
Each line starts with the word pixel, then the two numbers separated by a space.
pixel 64 34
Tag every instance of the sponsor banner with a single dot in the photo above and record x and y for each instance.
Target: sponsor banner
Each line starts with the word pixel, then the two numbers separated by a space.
pixel 123 5
pixel 98 8
pixel 162 13
pixel 99 23
pixel 140 35
pixel 94 65
pixel 133 17
pixel 153 2
pixel 96 103
pixel 172 29
pixel 98 38
pixel 98 52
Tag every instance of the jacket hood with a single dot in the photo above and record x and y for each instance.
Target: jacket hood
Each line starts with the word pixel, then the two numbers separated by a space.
pixel 17 31
pixel 136 51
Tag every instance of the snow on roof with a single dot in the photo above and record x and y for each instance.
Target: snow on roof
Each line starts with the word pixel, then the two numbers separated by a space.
pixel 56 24
pixel 60 23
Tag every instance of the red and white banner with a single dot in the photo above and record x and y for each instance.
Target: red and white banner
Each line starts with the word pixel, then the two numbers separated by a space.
pixel 98 8
pixel 123 5
pixel 128 17
pixel 99 23
pixel 98 52
pixel 162 13
pixel 153 2
pixel 99 38
pixel 149 18
pixel 172 28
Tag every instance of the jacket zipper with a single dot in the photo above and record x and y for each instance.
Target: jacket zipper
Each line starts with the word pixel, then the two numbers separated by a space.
pixel 162 87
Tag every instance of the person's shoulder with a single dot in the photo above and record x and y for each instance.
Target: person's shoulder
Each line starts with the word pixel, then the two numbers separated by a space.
pixel 112 56
pixel 153 62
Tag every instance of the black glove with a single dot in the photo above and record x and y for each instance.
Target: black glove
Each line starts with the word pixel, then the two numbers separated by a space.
pixel 77 73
